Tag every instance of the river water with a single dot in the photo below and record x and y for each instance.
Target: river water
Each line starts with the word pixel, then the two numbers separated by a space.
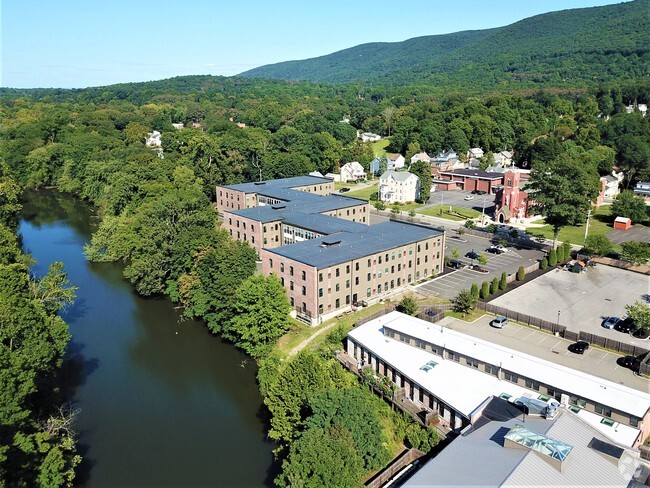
pixel 163 402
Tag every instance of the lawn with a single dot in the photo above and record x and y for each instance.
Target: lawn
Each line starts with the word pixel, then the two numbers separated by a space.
pixel 443 212
pixel 364 193
pixel 599 224
pixel 380 146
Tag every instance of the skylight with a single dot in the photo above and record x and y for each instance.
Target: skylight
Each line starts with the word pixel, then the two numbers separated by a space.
pixel 430 365
pixel 540 443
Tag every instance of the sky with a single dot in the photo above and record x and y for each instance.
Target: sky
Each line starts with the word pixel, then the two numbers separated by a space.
pixel 81 43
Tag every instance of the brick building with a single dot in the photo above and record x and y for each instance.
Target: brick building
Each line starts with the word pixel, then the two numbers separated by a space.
pixel 470 179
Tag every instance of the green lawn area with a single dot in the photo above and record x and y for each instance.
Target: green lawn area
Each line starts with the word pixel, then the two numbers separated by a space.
pixel 364 193
pixel 443 212
pixel 380 146
pixel 405 207
pixel 599 223
pixel 470 317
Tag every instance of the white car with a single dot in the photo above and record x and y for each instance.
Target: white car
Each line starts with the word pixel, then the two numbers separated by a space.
pixel 499 322
pixel 469 197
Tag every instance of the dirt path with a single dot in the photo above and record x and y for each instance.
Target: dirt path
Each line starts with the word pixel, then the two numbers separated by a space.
pixel 304 343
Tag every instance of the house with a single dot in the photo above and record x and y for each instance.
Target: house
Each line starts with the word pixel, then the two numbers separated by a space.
pixel 475 152
pixel 368 136
pixel 610 184
pixel 153 139
pixel 642 189
pixel 503 158
pixel 375 166
pixel 317 174
pixel 331 176
pixel 352 171
pixel 398 187
pixel 641 107
pixel 445 160
pixel 178 126
pixel 395 161
pixel 421 156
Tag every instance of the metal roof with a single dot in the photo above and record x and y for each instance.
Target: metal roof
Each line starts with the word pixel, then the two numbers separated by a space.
pixel 474 173
pixel 268 185
pixel 354 245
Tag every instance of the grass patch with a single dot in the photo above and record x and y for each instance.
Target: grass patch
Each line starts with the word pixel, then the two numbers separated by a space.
pixel 443 212
pixel 405 207
pixel 469 317
pixel 365 193
pixel 379 147
pixel 599 224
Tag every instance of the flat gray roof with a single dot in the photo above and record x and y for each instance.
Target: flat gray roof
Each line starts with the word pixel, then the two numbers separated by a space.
pixel 347 246
pixel 474 173
pixel 270 185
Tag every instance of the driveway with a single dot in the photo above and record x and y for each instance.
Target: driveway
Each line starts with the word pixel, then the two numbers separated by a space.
pixel 581 301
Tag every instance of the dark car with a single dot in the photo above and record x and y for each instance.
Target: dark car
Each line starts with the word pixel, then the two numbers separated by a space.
pixel 496 249
pixel 579 347
pixel 472 255
pixel 474 192
pixel 629 362
pixel 481 192
pixel 626 325
pixel 456 264
pixel 343 190
pixel 480 269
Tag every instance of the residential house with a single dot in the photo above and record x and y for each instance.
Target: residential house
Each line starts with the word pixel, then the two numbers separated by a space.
pixel 503 158
pixel 611 186
pixel 642 189
pixel 641 107
pixel 421 156
pixel 398 187
pixel 331 176
pixel 153 139
pixel 352 171
pixel 368 136
pixel 178 125
pixel 395 161
pixel 475 152
pixel 317 174
pixel 446 161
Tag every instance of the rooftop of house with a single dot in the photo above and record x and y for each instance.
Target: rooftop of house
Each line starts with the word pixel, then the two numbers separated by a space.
pixel 346 246
pixel 397 175
pixel 393 157
pixel 564 451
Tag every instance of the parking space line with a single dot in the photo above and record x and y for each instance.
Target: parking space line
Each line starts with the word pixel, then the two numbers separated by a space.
pixel 601 359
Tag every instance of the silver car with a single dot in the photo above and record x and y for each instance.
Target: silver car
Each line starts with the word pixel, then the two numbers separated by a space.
pixel 499 322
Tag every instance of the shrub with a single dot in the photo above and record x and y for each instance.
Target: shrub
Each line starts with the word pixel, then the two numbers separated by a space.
pixel 552 258
pixel 521 274
pixel 470 224
pixel 560 254
pixel 379 205
pixel 543 264
pixel 492 228
pixel 495 285
pixel 474 290
pixel 567 250
pixel 464 302
pixel 485 290
pixel 408 305
pixel 503 284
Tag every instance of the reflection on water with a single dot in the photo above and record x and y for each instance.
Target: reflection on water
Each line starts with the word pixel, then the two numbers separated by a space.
pixel 164 403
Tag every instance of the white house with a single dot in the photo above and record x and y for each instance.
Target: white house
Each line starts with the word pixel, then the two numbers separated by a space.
pixel 352 171
pixel 503 158
pixel 395 161
pixel 475 152
pixel 446 160
pixel 368 136
pixel 421 156
pixel 398 187
pixel 641 107
pixel 332 176
pixel 153 139
pixel 178 125
pixel 610 183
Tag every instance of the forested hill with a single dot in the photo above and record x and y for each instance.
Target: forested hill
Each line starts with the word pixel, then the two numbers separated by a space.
pixel 569 47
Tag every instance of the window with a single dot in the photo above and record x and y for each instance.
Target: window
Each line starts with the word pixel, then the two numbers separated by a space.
pixel 320 308
pixel 356 266
pixel 420 344
pixel 379 259
pixel 410 264
pixel 392 269
pixel 491 369
pixel 356 280
pixel 472 362
pixel 369 262
pixel 291 285
pixel 418 247
pixel 634 421
pixel 347 269
pixel 320 277
pixel 304 275
pixel 347 283
pixel 392 257
pixel 409 278
pixel 338 287
pixel 304 290
pixel 379 288
pixel 387 257
pixel 338 272
pixel 347 299
pixel 270 263
pixel 292 302
pixel 229 221
pixel 290 270
pixel 282 267
pixel 399 267
pixel 511 377
pixel 369 276
pixel 338 303
pixel 368 292
pixel 320 292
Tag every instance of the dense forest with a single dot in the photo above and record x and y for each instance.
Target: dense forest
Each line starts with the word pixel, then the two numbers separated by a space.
pixel 570 48
pixel 158 219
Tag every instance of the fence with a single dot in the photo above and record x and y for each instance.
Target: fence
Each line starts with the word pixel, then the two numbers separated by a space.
pixel 399 463
pixel 375 315
pixel 523 318
pixel 612 344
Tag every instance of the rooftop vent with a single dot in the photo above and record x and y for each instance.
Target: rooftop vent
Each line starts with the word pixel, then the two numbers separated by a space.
pixel 278 207
pixel 606 448
pixel 330 243
pixel 259 183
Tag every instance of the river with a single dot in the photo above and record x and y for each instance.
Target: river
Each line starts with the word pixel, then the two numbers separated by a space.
pixel 163 402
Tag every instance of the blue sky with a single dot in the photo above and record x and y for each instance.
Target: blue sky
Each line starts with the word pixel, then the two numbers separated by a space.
pixel 75 43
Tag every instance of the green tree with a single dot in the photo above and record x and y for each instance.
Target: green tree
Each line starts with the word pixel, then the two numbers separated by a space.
pixel 503 282
pixel 521 273
pixel 627 204
pixel 423 171
pixel 566 246
pixel 494 288
pixel 394 210
pixel 474 291
pixel 260 315
pixel 485 290
pixel 408 305
pixel 562 192
pixel 560 254
pixel 598 245
pixel 544 263
pixel 640 313
pixel 466 301
pixel 636 252
pixel 552 258
pixel 54 290
pixel 455 253
pixel 482 259
pixel 470 224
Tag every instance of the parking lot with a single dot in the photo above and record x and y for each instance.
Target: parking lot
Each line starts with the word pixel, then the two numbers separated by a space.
pixel 581 301
pixel 457 199
pixel 449 285
pixel 546 346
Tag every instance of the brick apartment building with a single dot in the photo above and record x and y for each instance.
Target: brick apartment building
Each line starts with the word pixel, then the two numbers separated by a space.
pixel 322 246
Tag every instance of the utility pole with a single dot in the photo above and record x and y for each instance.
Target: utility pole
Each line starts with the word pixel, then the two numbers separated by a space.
pixel 587 227
pixel 483 212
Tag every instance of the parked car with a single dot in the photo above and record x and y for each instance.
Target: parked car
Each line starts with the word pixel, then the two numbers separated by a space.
pixel 474 192
pixel 481 192
pixel 472 255
pixel 626 325
pixel 469 197
pixel 499 322
pixel 344 189
pixel 610 322
pixel 579 347
pixel 480 269
pixel 456 264
pixel 640 333
pixel 629 362
pixel 497 249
